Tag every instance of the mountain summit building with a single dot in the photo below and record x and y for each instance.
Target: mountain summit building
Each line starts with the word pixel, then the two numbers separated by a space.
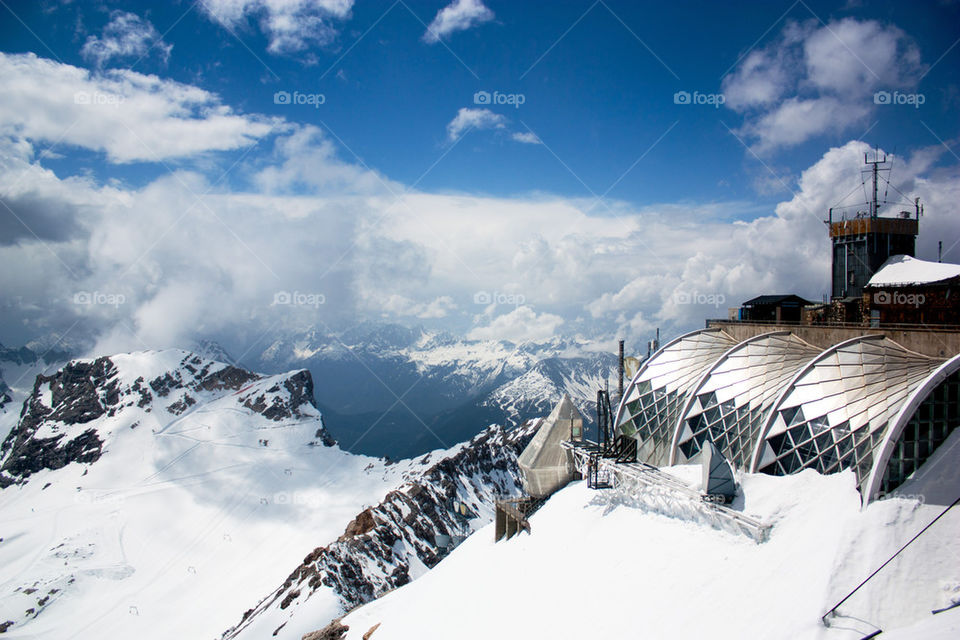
pixel 862 244
pixel 868 382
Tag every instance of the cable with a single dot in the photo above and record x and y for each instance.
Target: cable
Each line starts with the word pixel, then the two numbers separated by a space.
pixel 823 618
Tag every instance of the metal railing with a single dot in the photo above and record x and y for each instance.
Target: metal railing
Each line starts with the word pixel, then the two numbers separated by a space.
pixel 666 494
pixel 889 326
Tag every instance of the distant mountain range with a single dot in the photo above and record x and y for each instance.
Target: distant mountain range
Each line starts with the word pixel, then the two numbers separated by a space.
pixel 387 390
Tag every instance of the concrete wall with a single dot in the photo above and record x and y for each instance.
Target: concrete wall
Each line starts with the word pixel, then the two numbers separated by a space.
pixel 931 342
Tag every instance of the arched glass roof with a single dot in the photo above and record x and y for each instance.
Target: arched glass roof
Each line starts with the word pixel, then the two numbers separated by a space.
pixel 734 396
pixel 836 411
pixel 658 392
pixel 925 420
pixel 777 404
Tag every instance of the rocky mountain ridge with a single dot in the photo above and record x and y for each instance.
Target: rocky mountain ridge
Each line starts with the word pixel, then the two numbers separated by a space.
pixel 394 542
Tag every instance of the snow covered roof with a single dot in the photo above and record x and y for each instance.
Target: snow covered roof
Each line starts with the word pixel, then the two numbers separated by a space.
pixel 904 270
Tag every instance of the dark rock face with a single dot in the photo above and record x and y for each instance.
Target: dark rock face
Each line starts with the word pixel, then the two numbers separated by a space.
pixel 79 393
pixel 333 631
pixel 375 552
pixel 199 377
pixel 300 387
pixel 83 391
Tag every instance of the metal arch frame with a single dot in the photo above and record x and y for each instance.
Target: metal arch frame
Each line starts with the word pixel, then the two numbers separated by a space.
pixel 775 408
pixel 900 421
pixel 675 439
pixel 656 354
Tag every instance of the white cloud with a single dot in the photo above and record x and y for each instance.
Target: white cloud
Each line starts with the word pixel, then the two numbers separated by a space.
pixel 796 120
pixel 305 160
pixel 127 115
pixel 860 56
pixel 213 265
pixel 761 79
pixel 401 306
pixel 459 15
pixel 291 25
pixel 817 78
pixel 125 36
pixel 522 324
pixel 527 137
pixel 467 119
pixel 314 226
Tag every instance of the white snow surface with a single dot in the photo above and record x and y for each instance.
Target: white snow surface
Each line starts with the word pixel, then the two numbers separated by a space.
pixel 594 566
pixel 182 521
pixel 901 270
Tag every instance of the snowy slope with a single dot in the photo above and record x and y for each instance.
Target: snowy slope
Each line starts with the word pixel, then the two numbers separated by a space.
pixel 596 567
pixel 390 544
pixel 151 494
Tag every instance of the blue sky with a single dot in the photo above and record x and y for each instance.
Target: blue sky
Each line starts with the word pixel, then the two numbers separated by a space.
pixel 655 197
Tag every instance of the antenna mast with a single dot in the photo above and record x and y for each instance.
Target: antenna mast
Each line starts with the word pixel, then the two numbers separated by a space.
pixel 875 169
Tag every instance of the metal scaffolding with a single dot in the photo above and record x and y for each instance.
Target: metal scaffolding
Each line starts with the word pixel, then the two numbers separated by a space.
pixel 662 493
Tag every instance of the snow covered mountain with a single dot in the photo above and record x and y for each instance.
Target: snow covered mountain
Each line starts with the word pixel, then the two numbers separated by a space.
pixel 159 494
pixel 149 494
pixel 389 545
pixel 420 390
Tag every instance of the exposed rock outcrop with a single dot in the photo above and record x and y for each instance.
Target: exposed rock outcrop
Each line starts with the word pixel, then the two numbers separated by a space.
pixel 387 546
pixel 59 421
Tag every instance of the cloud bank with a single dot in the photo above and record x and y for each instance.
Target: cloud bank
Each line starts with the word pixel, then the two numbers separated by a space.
pixel 300 237
pixel 816 78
